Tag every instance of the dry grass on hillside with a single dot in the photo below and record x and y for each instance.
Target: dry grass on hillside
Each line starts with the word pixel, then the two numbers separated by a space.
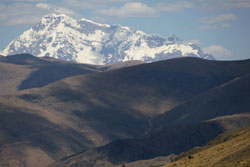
pixel 231 149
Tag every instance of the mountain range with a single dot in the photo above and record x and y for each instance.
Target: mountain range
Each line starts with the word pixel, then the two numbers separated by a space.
pixel 76 93
pixel 60 113
pixel 84 41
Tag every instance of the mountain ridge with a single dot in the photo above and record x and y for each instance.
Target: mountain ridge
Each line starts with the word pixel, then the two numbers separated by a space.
pixel 25 71
pixel 85 41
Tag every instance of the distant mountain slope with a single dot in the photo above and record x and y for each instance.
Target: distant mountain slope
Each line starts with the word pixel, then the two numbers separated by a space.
pixel 188 125
pixel 133 95
pixel 85 41
pixel 197 124
pixel 122 65
pixel 18 72
pixel 135 151
pixel 229 98
pixel 228 150
pixel 164 84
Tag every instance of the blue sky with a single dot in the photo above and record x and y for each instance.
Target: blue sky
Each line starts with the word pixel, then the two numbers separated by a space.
pixel 220 27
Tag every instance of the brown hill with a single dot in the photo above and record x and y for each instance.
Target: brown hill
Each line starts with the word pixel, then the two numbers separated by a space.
pixel 137 150
pixel 228 150
pixel 188 125
pixel 25 71
pixel 200 122
pixel 148 88
pixel 11 76
pixel 118 104
pixel 84 111
pixel 28 130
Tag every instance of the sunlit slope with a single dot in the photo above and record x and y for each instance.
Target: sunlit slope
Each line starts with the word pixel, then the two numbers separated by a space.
pixel 231 149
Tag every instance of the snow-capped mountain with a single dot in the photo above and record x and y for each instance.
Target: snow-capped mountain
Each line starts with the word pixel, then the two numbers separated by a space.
pixel 85 41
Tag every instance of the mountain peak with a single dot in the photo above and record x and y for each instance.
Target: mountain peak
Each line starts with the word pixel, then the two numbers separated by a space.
pixel 55 15
pixel 92 22
pixel 85 41
pixel 53 19
pixel 174 38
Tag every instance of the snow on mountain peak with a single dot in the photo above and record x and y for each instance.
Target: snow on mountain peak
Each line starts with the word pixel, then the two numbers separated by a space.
pixel 56 15
pixel 86 41
pixel 92 22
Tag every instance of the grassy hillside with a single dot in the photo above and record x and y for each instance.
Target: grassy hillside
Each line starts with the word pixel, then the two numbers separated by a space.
pixel 228 150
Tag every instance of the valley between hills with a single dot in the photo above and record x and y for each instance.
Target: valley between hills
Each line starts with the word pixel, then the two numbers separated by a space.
pixel 178 112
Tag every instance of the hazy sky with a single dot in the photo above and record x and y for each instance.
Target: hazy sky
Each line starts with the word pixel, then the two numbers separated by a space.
pixel 221 27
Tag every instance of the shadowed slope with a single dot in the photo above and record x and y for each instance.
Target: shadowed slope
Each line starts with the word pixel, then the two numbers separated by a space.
pixel 180 129
pixel 28 130
pixel 94 109
pixel 229 149
pixel 19 72
pixel 118 104
pixel 25 71
pixel 229 98
pixel 183 127
pixel 11 76
pixel 148 88
pixel 173 139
